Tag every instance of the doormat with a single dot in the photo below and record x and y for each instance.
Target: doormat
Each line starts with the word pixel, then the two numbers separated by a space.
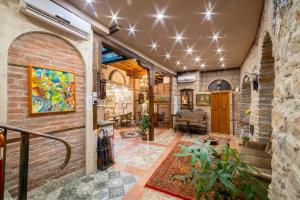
pixel 130 134
pixel 173 175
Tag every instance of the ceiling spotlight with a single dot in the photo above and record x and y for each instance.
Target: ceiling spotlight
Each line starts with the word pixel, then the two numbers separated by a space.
pixel 131 30
pixel 160 16
pixel 215 37
pixel 189 50
pixel 184 67
pixel 202 65
pixel 197 59
pixel 89 1
pixel 208 14
pixel 114 17
pixel 168 56
pixel 219 50
pixel 222 65
pixel 178 62
pixel 154 45
pixel 221 59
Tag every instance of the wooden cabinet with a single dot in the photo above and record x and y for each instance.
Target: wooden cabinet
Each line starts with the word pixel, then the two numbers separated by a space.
pixel 186 99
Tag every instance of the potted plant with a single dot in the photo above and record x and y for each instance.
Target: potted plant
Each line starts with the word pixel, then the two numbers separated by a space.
pixel 145 125
pixel 245 138
pixel 220 174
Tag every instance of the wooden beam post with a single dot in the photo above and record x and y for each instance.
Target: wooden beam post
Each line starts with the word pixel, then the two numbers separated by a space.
pixel 151 83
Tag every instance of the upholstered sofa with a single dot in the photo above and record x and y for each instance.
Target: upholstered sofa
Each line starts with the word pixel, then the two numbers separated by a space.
pixel 194 121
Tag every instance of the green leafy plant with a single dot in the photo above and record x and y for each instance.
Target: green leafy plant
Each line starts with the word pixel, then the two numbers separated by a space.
pixel 245 138
pixel 145 124
pixel 220 174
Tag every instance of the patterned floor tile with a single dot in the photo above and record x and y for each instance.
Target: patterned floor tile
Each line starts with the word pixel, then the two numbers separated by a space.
pixel 141 155
pixel 117 191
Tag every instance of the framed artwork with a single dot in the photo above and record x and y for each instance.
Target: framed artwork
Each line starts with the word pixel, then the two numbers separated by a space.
pixel 161 98
pixel 141 98
pixel 203 99
pixel 51 90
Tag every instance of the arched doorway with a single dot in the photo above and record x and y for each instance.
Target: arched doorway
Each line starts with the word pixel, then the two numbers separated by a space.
pixel 220 106
pixel 265 91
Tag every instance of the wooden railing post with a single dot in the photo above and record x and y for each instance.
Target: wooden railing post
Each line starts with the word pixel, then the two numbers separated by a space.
pixel 3 156
pixel 23 169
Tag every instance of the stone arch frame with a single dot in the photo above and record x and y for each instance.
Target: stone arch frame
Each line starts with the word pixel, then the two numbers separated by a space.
pixel 265 90
pixel 228 82
pixel 114 72
pixel 82 67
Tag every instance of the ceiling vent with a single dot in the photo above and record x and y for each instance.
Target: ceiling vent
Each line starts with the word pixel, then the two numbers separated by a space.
pixel 56 15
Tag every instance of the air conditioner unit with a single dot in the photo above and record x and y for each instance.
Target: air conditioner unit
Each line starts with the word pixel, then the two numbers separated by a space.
pixel 187 78
pixel 56 15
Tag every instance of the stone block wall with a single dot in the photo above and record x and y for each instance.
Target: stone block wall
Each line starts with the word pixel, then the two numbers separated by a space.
pixel 285 107
pixel 201 86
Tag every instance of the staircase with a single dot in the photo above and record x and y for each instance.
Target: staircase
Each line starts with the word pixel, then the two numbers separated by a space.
pixel 24 156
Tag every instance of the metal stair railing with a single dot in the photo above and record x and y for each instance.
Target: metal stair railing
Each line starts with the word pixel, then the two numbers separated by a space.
pixel 24 156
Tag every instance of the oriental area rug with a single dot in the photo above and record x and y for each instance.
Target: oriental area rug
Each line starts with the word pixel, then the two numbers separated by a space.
pixel 173 175
pixel 130 134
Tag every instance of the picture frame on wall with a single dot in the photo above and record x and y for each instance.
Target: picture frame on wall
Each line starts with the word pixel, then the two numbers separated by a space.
pixel 203 99
pixel 51 90
pixel 141 98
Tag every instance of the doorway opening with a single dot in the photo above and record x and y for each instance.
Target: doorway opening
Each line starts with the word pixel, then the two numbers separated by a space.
pixel 220 106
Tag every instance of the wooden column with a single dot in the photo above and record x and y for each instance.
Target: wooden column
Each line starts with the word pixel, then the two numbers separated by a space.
pixel 97 66
pixel 171 101
pixel 151 83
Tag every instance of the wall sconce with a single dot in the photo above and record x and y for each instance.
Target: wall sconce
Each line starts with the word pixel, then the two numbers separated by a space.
pixel 252 78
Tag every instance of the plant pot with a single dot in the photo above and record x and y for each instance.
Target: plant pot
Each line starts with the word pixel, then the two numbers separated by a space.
pixel 144 137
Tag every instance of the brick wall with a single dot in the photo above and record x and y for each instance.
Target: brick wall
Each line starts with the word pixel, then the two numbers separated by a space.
pixel 45 155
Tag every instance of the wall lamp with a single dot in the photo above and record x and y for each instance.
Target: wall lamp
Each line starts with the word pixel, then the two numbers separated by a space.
pixel 252 78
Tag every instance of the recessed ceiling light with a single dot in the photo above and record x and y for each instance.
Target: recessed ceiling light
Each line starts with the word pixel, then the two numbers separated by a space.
pixel 131 29
pixel 223 65
pixel 154 45
pixel 114 17
pixel 184 67
pixel 208 14
pixel 202 65
pixel 168 56
pixel 178 37
pixel 221 59
pixel 219 50
pixel 197 59
pixel 215 37
pixel 178 62
pixel 189 50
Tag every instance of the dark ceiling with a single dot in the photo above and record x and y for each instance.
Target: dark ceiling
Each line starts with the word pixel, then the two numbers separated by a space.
pixel 234 21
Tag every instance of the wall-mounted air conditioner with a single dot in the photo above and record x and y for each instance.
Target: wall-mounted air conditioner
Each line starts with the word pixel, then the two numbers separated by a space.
pixel 56 15
pixel 187 78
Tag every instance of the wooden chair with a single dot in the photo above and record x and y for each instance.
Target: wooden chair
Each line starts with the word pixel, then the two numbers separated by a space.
pixel 161 119
pixel 124 120
pixel 129 118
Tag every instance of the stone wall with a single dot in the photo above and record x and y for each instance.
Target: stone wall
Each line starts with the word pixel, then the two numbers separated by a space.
pixel 27 41
pixel 201 86
pixel 285 45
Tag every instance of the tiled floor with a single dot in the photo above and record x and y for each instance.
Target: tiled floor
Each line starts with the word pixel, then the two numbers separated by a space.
pixel 136 160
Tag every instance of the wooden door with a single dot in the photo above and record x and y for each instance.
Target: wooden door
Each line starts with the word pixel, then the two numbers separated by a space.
pixel 220 112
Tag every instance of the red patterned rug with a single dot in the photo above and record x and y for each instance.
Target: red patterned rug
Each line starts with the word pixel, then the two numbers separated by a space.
pixel 173 175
